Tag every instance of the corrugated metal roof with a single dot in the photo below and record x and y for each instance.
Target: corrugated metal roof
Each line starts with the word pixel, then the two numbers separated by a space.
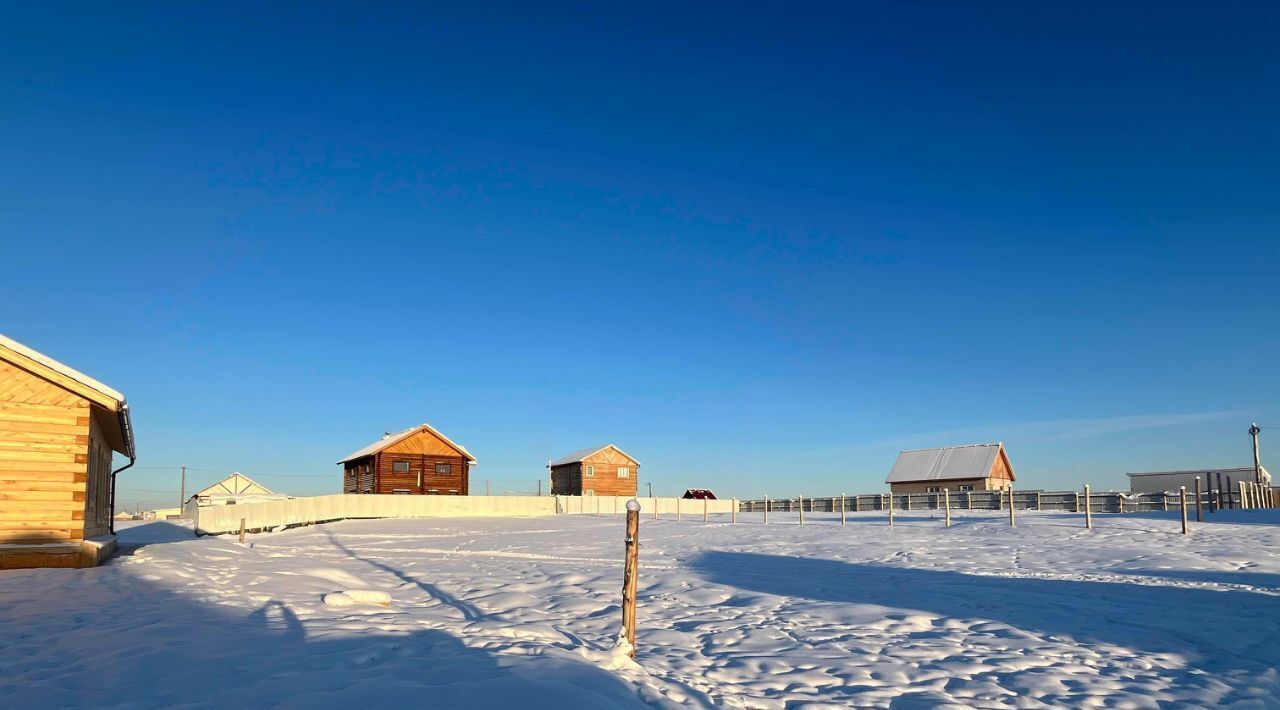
pixel 1235 470
pixel 581 454
pixel 948 463
pixel 236 484
pixel 390 439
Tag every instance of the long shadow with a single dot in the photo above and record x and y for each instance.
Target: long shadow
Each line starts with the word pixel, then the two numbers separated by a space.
pixel 157 532
pixel 1215 631
pixel 1246 577
pixel 110 639
pixel 469 612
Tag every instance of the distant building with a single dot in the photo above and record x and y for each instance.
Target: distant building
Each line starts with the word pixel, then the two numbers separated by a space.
pixel 416 461
pixel 59 429
pixel 698 494
pixel 236 489
pixel 597 471
pixel 976 467
pixel 1221 479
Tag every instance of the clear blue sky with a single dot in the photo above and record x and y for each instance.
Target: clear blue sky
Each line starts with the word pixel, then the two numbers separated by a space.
pixel 760 247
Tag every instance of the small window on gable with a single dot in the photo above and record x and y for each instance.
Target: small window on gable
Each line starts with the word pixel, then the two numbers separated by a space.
pixel 444 468
pixel 624 472
pixel 589 471
pixel 400 466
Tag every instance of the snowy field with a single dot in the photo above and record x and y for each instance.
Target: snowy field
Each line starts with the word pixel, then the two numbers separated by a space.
pixel 495 613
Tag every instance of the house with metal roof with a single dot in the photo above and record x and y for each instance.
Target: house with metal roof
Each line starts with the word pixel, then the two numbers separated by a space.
pixel 59 428
pixel 417 461
pixel 975 467
pixel 236 489
pixel 602 470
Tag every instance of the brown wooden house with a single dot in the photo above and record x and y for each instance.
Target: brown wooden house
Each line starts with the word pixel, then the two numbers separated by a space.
pixel 58 429
pixel 597 471
pixel 977 467
pixel 416 461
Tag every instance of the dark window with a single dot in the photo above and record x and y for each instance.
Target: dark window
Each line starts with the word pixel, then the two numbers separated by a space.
pixel 444 468
pixel 400 466
pixel 933 489
pixel 964 487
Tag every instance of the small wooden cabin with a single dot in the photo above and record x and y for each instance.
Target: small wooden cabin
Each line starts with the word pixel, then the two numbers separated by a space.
pixel 597 471
pixel 977 467
pixel 58 429
pixel 416 461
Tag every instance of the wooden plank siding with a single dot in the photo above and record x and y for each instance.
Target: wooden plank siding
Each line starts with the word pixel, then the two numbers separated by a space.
pixel 572 479
pixel 46 438
pixel 422 452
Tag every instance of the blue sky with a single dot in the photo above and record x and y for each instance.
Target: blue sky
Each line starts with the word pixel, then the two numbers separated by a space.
pixel 761 247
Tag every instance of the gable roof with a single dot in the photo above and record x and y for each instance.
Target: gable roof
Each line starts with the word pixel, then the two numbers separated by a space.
pixel 390 439
pixel 947 463
pixel 583 454
pixel 77 383
pixel 237 484
pixel 1241 470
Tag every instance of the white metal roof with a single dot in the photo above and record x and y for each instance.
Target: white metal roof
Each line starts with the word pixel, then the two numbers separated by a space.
pixel 582 454
pixel 947 463
pixel 60 368
pixel 237 484
pixel 390 439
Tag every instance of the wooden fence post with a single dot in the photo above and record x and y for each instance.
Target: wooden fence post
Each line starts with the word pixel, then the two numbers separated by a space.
pixel 1011 523
pixel 908 506
pixel 677 508
pixel 891 509
pixel 801 501
pixel 241 531
pixel 704 510
pixel 766 510
pixel 968 499
pixel 1242 498
pixel 1182 494
pixel 946 504
pixel 1199 506
pixel 733 512
pixel 1088 508
pixel 842 509
pixel 631 575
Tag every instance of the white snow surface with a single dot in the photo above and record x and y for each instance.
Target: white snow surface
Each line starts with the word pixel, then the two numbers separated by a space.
pixel 501 613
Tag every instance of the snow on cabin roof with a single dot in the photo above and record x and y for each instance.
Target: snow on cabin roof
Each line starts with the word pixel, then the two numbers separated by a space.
pixel 947 463
pixel 390 439
pixel 61 369
pixel 582 454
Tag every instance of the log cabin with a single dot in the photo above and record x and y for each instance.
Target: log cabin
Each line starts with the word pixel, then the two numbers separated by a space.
pixel 416 461
pixel 58 429
pixel 596 471
pixel 976 467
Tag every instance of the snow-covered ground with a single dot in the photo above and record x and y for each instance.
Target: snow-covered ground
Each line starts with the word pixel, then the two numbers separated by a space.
pixel 524 613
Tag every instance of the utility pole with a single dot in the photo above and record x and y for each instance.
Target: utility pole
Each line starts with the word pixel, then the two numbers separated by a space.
pixel 1257 463
pixel 650 485
pixel 486 486
pixel 182 496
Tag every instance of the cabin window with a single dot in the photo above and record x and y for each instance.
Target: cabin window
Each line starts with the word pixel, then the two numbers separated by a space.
pixel 444 468
pixel 400 491
pixel 588 492
pixel 432 492
pixel 966 487
pixel 400 466
pixel 624 472
pixel 933 489
pixel 589 471
pixel 453 493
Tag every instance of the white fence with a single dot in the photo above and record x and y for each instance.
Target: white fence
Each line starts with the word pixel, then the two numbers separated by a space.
pixel 215 519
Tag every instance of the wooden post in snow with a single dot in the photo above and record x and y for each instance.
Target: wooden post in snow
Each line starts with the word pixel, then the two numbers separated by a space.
pixel 733 512
pixel 704 510
pixel 946 504
pixel 631 575
pixel 1182 494
pixel 890 509
pixel 677 508
pixel 1088 508
pixel 1199 505
pixel 801 501
pixel 241 531
pixel 766 510
pixel 1011 523
pixel 842 509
